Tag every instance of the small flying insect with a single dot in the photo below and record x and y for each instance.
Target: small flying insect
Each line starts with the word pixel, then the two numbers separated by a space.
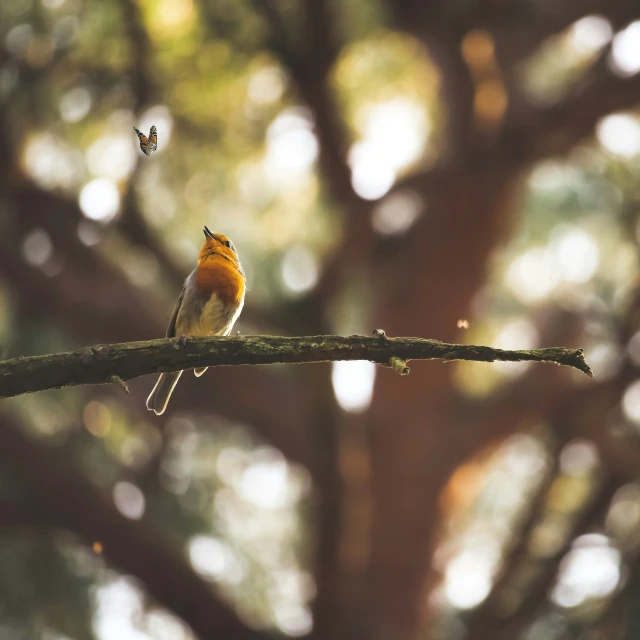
pixel 150 144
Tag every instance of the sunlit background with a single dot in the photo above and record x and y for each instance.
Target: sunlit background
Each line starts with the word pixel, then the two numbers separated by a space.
pixel 268 487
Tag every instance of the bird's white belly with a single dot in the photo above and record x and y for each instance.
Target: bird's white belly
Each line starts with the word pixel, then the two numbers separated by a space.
pixel 213 318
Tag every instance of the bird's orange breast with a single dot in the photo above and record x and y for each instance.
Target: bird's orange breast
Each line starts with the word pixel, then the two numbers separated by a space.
pixel 218 275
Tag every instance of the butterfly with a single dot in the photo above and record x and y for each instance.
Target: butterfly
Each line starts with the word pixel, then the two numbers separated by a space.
pixel 150 144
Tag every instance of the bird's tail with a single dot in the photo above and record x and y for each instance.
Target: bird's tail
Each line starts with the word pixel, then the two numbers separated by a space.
pixel 159 398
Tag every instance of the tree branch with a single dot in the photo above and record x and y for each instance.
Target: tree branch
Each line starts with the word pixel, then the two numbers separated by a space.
pixel 104 363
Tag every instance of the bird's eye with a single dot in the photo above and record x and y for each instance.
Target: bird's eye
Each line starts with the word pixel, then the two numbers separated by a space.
pixel 227 244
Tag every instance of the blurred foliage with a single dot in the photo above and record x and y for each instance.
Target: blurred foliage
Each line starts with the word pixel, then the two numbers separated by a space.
pixel 56 596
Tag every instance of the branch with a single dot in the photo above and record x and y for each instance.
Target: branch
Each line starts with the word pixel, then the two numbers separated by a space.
pixel 104 363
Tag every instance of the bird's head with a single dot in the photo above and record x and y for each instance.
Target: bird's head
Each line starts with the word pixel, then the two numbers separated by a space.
pixel 217 246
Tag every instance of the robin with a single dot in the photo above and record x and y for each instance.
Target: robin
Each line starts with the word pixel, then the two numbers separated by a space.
pixel 211 300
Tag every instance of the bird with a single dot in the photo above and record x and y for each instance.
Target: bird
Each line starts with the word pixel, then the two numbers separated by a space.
pixel 150 144
pixel 211 301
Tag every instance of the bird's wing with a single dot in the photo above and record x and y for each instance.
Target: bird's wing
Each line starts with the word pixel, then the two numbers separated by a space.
pixel 171 331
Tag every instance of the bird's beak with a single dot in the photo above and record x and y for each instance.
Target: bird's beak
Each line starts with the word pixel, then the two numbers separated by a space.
pixel 208 233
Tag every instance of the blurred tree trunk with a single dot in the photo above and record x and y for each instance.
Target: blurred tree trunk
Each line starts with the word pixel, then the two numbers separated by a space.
pixel 424 289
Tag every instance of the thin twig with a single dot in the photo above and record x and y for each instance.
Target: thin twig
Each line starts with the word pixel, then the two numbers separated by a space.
pixel 120 382
pixel 399 366
pixel 99 364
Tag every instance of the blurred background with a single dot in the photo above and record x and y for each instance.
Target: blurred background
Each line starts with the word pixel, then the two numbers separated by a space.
pixel 463 170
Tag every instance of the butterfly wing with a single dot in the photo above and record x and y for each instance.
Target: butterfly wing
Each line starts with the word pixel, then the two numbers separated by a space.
pixel 153 140
pixel 150 144
pixel 141 135
pixel 144 141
